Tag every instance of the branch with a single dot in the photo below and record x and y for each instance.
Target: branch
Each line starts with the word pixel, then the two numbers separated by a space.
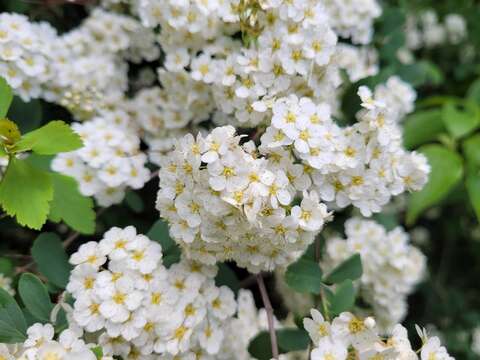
pixel 269 310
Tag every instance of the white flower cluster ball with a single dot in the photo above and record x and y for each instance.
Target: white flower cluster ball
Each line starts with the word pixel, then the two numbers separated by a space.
pixel 248 323
pixel 351 337
pixel 398 96
pixel 40 345
pixel 427 31
pixel 391 266
pixel 108 163
pixel 225 201
pixel 353 18
pixel 6 283
pixel 363 164
pixel 37 62
pixel 24 53
pixel 121 288
pixel 358 62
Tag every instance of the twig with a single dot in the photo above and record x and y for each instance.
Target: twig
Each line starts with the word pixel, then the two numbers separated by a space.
pixel 269 310
pixel 153 175
pixel 249 281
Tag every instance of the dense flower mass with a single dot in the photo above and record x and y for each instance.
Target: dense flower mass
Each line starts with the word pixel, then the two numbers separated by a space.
pixel 226 201
pixel 256 117
pixel 348 336
pixel 108 163
pixel 41 345
pixel 391 266
pixel 122 289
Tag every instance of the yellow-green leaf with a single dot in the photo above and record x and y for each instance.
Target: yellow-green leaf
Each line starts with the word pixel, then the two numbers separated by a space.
pixel 6 97
pixel 25 192
pixel 71 206
pixel 53 138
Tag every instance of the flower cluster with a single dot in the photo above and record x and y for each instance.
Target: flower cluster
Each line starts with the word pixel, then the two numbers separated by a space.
pixel 24 51
pixel 121 288
pixel 40 345
pixel 108 163
pixel 353 19
pixel 391 266
pixel 67 68
pixel 224 201
pixel 248 322
pixel 351 337
pixel 427 31
pixel 363 164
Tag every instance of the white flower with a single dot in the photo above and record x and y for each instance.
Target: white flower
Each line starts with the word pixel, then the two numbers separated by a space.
pixel 318 329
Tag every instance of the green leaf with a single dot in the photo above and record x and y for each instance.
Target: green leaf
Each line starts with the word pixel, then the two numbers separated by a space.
pixel 6 266
pixel 53 138
pixel 459 122
pixel 260 346
pixel 51 259
pixel 288 340
pixel 304 276
pixel 6 97
pixel 473 187
pixel 471 149
pixel 421 73
pixel 446 171
pixel 98 351
pixel 171 252
pixel 343 298
pixel 388 221
pixel 27 115
pixel 473 92
pixel 13 327
pixel 25 192
pixel 226 276
pixel 350 269
pixel 35 297
pixel 422 127
pixel 71 206
pixel 134 201
pixel 292 339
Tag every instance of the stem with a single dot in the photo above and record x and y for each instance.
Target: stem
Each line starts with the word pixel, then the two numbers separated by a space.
pixel 268 308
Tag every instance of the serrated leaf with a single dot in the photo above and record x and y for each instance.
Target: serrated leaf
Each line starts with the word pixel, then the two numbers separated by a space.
pixel 473 187
pixel 304 276
pixel 51 259
pixel 25 192
pixel 53 138
pixel 71 206
pixel 459 122
pixel 343 298
pixel 446 171
pixel 350 269
pixel 35 297
pixel 13 327
pixel 422 127
pixel 6 96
